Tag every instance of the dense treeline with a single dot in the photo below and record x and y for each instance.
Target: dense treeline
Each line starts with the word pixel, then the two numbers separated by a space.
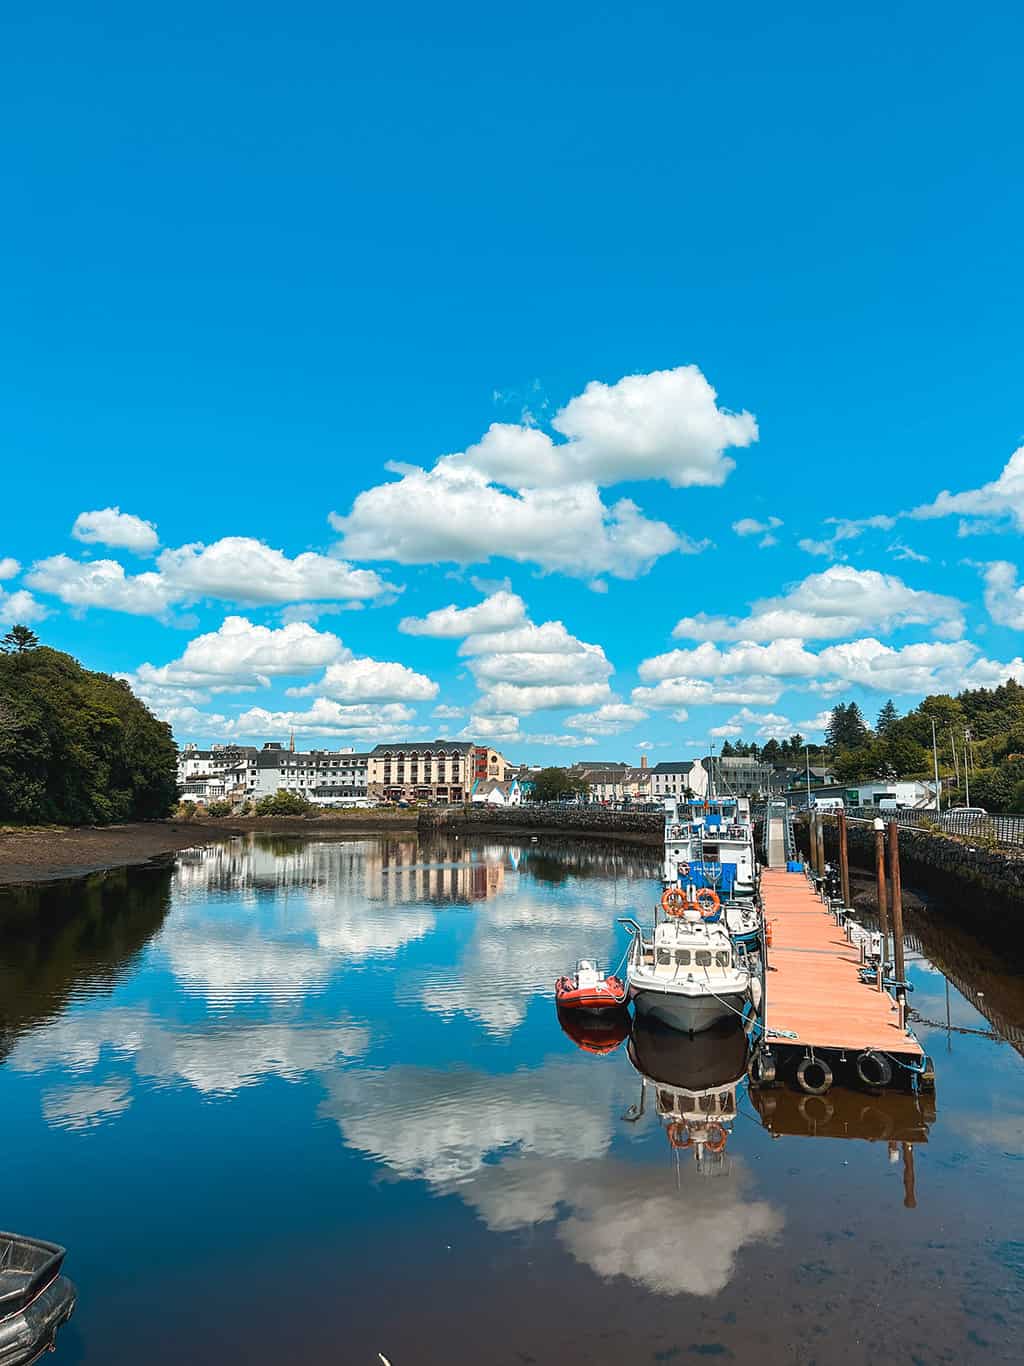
pixel 978 740
pixel 76 747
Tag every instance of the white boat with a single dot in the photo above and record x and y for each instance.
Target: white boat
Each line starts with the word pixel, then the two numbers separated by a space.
pixel 710 844
pixel 687 974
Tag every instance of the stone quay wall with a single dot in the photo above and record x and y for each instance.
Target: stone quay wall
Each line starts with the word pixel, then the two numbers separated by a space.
pixel 982 887
pixel 538 818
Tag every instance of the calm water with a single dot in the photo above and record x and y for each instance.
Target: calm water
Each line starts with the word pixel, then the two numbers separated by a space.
pixel 292 1102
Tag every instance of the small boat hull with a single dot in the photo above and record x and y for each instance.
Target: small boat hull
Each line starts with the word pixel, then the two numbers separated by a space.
pixel 27 1336
pixel 609 994
pixel 691 1014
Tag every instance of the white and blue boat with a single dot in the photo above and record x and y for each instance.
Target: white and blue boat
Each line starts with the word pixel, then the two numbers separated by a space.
pixel 709 847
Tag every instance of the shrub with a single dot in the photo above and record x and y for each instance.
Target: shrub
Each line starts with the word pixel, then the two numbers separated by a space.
pixel 218 809
pixel 283 803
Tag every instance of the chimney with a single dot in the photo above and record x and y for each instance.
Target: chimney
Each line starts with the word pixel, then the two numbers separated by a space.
pixel 643 760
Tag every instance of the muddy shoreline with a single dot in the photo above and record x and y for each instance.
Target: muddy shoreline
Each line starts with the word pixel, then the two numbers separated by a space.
pixel 48 853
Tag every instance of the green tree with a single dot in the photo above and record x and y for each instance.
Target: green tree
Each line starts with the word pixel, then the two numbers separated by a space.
pixel 554 783
pixel 78 747
pixel 846 728
pixel 886 718
pixel 19 639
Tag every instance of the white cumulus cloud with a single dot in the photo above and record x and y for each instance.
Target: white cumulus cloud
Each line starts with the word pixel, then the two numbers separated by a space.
pixel 1002 498
pixel 240 653
pixel 498 612
pixel 453 514
pixel 9 567
pixel 839 602
pixel 120 530
pixel 379 721
pixel 1003 597
pixel 610 719
pixel 365 680
pixel 21 608
pixel 242 569
pixel 101 583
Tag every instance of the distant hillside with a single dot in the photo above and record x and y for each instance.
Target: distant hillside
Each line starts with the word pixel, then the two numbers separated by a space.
pixel 77 748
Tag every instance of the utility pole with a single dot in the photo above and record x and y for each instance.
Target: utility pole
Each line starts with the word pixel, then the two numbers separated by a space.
pixel 956 766
pixel 807 766
pixel 935 760
pixel 967 776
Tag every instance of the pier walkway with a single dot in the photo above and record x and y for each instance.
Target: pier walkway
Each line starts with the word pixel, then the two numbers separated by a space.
pixel 813 993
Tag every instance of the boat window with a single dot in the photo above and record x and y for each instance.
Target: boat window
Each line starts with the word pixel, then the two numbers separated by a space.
pixel 722 958
pixel 666 1101
pixel 709 853
pixel 702 958
pixel 683 957
pixel 664 956
pixel 707 1104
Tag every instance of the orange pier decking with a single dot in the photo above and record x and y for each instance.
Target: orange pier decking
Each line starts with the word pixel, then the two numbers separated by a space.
pixel 813 993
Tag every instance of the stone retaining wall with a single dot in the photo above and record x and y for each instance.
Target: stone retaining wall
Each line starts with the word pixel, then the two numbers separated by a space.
pixel 541 817
pixel 983 888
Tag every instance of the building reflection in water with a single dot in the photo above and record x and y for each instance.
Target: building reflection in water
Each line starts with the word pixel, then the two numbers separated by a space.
pixel 394 870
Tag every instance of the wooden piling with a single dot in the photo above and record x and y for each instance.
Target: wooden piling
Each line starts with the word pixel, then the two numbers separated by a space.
pixel 883 910
pixel 909 1181
pixel 844 860
pixel 819 826
pixel 897 901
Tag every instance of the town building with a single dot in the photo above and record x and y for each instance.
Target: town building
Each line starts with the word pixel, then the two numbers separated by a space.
pixel 423 770
pixel 686 778
pixel 233 772
pixel 491 792
pixel 738 775
pixel 489 764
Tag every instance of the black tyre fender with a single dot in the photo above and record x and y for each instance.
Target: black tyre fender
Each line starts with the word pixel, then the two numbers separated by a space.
pixel 874 1069
pixel 814 1076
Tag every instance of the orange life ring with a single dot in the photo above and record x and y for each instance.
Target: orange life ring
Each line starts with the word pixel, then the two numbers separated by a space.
pixel 716 1144
pixel 673 901
pixel 707 902
pixel 678 1135
pixel 768 932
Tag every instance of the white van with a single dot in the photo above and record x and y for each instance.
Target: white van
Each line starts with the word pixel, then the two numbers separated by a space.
pixel 829 804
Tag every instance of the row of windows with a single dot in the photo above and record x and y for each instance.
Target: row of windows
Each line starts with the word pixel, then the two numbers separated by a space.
pixel 702 958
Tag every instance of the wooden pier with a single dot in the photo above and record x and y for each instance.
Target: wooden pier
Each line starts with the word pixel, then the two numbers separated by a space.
pixel 814 996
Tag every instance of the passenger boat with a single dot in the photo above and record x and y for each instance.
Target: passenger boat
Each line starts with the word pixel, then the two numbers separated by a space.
pixel 710 845
pixel 589 989
pixel 687 973
pixel 694 1083
pixel 35 1299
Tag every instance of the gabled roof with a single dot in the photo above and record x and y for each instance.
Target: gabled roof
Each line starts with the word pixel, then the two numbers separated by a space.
pixel 423 747
pixel 684 767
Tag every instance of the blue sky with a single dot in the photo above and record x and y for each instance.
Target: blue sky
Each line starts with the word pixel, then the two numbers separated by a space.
pixel 262 267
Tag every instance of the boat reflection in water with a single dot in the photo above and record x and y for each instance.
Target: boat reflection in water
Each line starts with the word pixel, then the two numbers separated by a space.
pixel 694 1082
pixel 595 1033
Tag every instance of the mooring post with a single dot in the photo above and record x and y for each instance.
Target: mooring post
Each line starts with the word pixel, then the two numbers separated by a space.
pixel 909 1182
pixel 883 912
pixel 844 859
pixel 897 906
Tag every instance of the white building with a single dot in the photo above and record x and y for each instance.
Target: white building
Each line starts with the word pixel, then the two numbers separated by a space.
pixel 678 779
pixel 490 792
pixel 323 777
pixel 908 794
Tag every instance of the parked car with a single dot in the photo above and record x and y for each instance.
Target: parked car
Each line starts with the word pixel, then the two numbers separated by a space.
pixel 963 819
